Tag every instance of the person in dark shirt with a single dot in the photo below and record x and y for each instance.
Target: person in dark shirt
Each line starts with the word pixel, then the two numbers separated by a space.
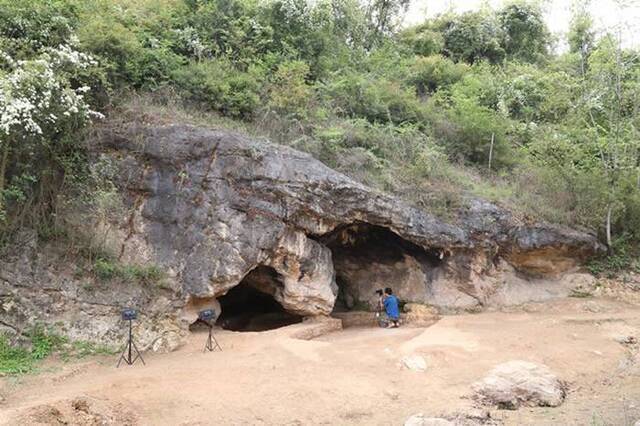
pixel 391 308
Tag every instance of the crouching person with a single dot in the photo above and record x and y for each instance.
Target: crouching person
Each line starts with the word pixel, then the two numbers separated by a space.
pixel 391 308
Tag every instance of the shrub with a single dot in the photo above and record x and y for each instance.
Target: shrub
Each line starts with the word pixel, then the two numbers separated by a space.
pixel 220 86
pixel 465 129
pixel 528 94
pixel 116 45
pixel 377 100
pixel 623 256
pixel 41 113
pixel 29 26
pixel 422 40
pixel 289 92
pixel 127 57
pixel 104 269
pixel 433 72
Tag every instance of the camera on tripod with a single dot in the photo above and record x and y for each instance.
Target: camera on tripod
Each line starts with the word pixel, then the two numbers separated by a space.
pixel 130 314
pixel 206 316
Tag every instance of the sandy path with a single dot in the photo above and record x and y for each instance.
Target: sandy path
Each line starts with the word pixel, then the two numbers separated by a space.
pixel 353 377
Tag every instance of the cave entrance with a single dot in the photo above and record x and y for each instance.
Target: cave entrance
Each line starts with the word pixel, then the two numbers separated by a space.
pixel 251 306
pixel 369 257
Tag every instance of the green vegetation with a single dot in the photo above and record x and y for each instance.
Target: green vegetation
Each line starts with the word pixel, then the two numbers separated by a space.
pixel 107 269
pixel 624 257
pixel 21 359
pixel 476 103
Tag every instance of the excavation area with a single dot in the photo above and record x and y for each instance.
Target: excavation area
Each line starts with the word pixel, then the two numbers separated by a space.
pixel 368 257
pixel 351 377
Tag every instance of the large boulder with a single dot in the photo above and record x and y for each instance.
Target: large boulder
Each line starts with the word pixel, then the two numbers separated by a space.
pixel 517 383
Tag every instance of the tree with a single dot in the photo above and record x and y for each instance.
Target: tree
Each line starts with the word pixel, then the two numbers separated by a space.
pixel 40 111
pixel 472 36
pixel 611 102
pixel 526 37
pixel 581 35
pixel 383 17
pixel 423 40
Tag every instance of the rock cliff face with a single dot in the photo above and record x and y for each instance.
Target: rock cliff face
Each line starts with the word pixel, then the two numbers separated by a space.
pixel 211 206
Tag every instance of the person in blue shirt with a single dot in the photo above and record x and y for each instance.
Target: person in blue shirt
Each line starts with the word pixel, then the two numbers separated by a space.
pixel 391 308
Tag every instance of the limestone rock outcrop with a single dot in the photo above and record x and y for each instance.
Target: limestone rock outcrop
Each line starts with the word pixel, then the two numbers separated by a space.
pixel 213 205
pixel 208 207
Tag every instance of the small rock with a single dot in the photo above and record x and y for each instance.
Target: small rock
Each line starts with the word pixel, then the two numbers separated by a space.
pixel 80 404
pixel 637 423
pixel 517 383
pixel 421 420
pixel 414 363
pixel 592 307
pixel 392 395
pixel 626 340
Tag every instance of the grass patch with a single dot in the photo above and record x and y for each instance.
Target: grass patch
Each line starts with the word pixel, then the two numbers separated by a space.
pixel 20 360
pixel 580 294
pixel 82 348
pixel 14 360
pixel 23 359
pixel 107 269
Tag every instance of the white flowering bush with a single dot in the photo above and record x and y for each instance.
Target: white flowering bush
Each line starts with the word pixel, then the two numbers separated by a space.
pixel 40 112
pixel 189 40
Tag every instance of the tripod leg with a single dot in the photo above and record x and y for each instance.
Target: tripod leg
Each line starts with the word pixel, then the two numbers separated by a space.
pixel 217 345
pixel 129 361
pixel 138 354
pixel 122 355
pixel 207 344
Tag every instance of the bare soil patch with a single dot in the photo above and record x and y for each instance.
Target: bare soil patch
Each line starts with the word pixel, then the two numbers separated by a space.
pixel 353 376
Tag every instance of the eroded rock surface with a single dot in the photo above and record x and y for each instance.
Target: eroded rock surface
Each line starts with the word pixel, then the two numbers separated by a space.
pixel 213 205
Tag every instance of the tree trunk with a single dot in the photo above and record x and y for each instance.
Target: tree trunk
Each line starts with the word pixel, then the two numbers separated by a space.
pixel 609 210
pixel 493 135
pixel 3 171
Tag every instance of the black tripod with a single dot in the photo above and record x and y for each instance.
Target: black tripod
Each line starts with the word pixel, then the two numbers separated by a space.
pixel 209 345
pixel 128 351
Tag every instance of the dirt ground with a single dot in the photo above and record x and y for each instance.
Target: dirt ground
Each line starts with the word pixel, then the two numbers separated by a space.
pixel 351 377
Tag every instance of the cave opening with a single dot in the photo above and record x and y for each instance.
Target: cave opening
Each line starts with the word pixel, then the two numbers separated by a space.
pixel 251 305
pixel 369 257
